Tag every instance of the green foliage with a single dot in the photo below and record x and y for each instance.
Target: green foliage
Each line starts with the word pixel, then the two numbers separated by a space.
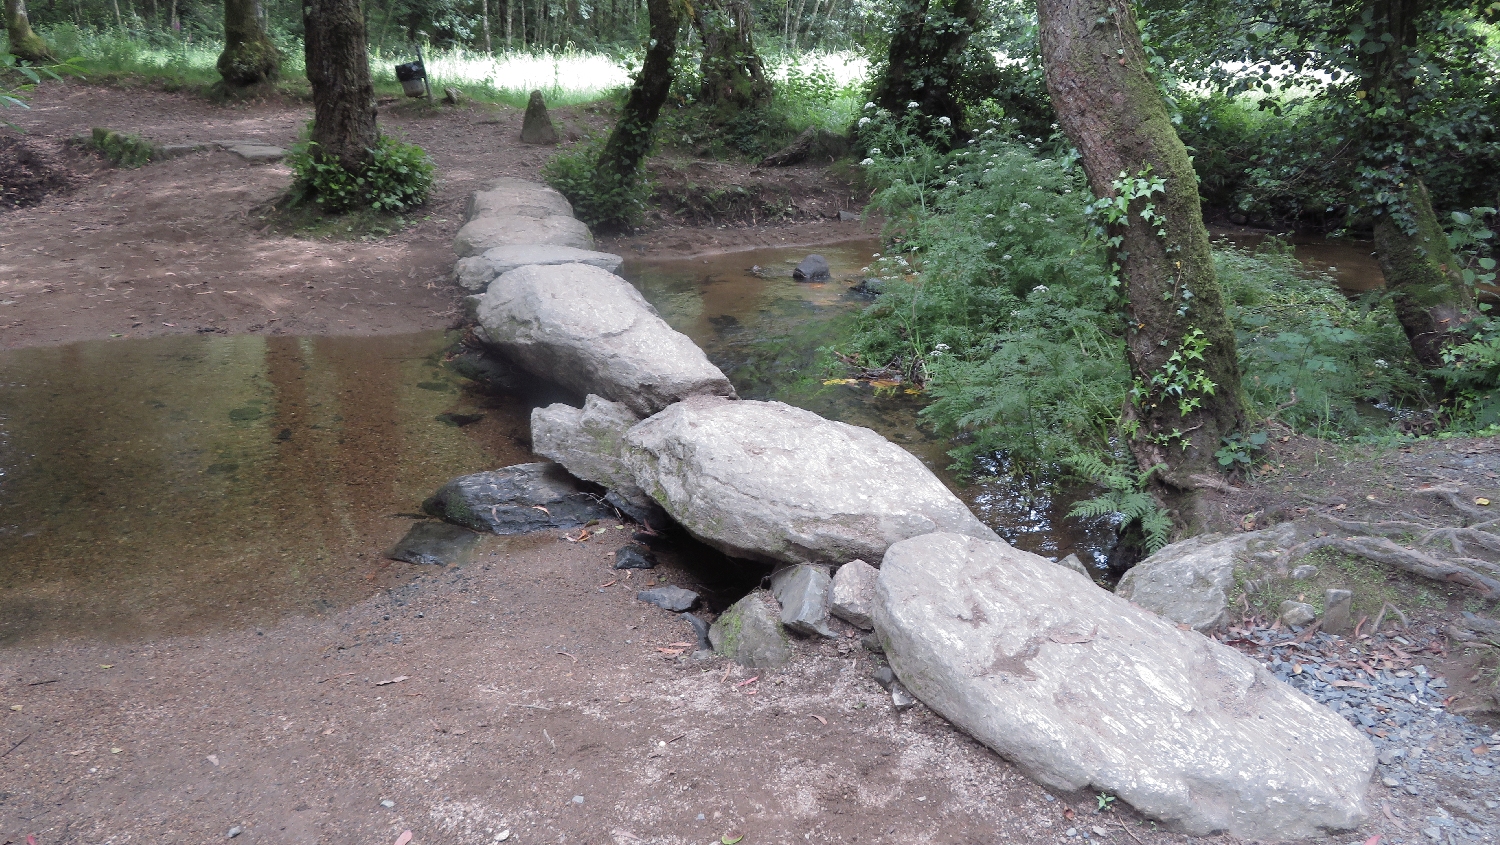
pixel 598 200
pixel 1124 494
pixel 804 94
pixel 1303 341
pixel 397 178
pixel 1239 451
pixel 121 149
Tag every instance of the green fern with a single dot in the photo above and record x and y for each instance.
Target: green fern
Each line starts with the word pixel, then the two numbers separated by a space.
pixel 1126 495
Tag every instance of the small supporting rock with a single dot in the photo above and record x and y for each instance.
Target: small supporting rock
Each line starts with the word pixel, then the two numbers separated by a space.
pixel 853 593
pixel 1297 613
pixel 803 593
pixel 634 557
pixel 536 126
pixel 749 634
pixel 675 599
pixel 452 96
pixel 434 543
pixel 1337 608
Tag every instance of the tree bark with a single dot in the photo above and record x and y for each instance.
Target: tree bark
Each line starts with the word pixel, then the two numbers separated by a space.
pixel 489 48
pixel 25 44
pixel 1111 109
pixel 249 57
pixel 1431 301
pixel 631 138
pixel 733 75
pixel 338 66
pixel 926 58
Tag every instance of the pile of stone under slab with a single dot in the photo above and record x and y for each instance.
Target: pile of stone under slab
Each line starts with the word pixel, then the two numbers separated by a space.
pixel 1078 687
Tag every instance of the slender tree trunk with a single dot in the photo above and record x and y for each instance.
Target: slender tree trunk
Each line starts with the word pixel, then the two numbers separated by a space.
pixel 249 57
pixel 175 22
pixel 733 75
pixel 631 138
pixel 25 44
pixel 119 21
pixel 1420 272
pixel 489 48
pixel 796 27
pixel 926 57
pixel 338 66
pixel 510 14
pixel 1178 339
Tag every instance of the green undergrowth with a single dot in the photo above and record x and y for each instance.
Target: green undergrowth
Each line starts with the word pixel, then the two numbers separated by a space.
pixel 122 149
pixel 1372 584
pixel 998 303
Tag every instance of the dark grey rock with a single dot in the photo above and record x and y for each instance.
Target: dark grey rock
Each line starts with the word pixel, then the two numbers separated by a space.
pixel 750 634
pixel 700 629
pixel 849 216
pixel 871 642
pixel 675 599
pixel 803 593
pixel 1072 562
pixel 634 557
pixel 885 677
pixel 435 543
pixel 517 499
pixel 869 286
pixel 813 268
pixel 536 126
pixel 900 698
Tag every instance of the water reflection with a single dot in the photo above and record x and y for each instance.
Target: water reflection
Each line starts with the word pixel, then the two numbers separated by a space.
pixel 1350 262
pixel 161 486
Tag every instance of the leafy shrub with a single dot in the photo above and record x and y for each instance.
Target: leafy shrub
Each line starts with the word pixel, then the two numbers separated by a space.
pixel 1303 341
pixel 122 149
pixel 1471 370
pixel 397 178
pixel 599 202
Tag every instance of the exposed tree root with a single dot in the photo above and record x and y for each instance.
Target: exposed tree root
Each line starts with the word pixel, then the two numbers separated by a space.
pixel 1450 495
pixel 1383 551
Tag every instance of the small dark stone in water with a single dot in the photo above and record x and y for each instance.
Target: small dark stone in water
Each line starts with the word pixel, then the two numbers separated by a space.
pixel 675 599
pixel 869 286
pixel 813 268
pixel 634 557
pixel 434 543
pixel 517 499
pixel 458 420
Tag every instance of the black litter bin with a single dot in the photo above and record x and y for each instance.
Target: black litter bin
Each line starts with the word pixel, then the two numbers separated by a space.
pixel 413 78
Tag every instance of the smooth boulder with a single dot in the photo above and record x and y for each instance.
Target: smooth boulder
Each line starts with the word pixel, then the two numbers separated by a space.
pixel 508 196
pixel 1083 690
pixel 477 271
pixel 486 233
pixel 517 499
pixel 853 593
pixel 1190 582
pixel 749 633
pixel 769 482
pixel 590 330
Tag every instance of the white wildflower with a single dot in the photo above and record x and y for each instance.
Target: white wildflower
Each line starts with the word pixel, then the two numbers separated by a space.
pixel 1382 363
pixel 1025 206
pixel 913 105
pixel 989 217
pixel 863 121
pixel 952 183
pixel 869 105
pixel 1005 257
pixel 1039 289
pixel 990 245
pixel 945 120
pixel 874 151
pixel 867 162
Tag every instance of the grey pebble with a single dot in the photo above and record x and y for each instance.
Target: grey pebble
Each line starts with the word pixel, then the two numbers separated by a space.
pixel 577 799
pixel 234 831
pixel 388 804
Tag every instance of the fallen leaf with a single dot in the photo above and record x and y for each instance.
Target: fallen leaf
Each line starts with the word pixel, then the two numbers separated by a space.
pixel 731 838
pixel 1374 840
pixel 396 680
pixel 610 584
pixel 569 656
pixel 542 509
pixel 106 665
pixel 1356 684
pixel 673 651
pixel 748 681
pixel 404 838
pixel 1068 813
pixel 885 383
pixel 820 718
pixel 834 381
pixel 116 750
pixel 17 707
pixel 913 391
pixel 1480 500
pixel 1482 749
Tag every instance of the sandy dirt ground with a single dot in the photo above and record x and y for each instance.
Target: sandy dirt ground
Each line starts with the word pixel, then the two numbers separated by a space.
pixel 526 697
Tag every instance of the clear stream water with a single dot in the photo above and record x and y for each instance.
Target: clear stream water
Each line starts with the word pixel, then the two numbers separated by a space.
pixel 171 485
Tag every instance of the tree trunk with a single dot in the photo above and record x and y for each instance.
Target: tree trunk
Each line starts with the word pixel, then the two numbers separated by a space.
pixel 338 66
pixel 1420 272
pixel 510 14
pixel 926 57
pixel 631 138
pixel 249 57
pixel 489 48
pixel 1179 342
pixel 25 44
pixel 733 76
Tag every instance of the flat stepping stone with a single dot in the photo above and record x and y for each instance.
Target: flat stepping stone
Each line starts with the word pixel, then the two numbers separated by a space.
pixel 252 151
pixel 477 271
pixel 485 233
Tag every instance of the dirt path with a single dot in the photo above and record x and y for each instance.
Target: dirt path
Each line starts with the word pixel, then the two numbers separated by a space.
pixel 535 694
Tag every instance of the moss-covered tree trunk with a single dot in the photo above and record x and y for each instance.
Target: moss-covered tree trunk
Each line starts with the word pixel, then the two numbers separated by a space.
pixel 1420 272
pixel 338 66
pixel 926 59
pixel 733 75
pixel 631 138
pixel 25 44
pixel 1179 341
pixel 249 57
